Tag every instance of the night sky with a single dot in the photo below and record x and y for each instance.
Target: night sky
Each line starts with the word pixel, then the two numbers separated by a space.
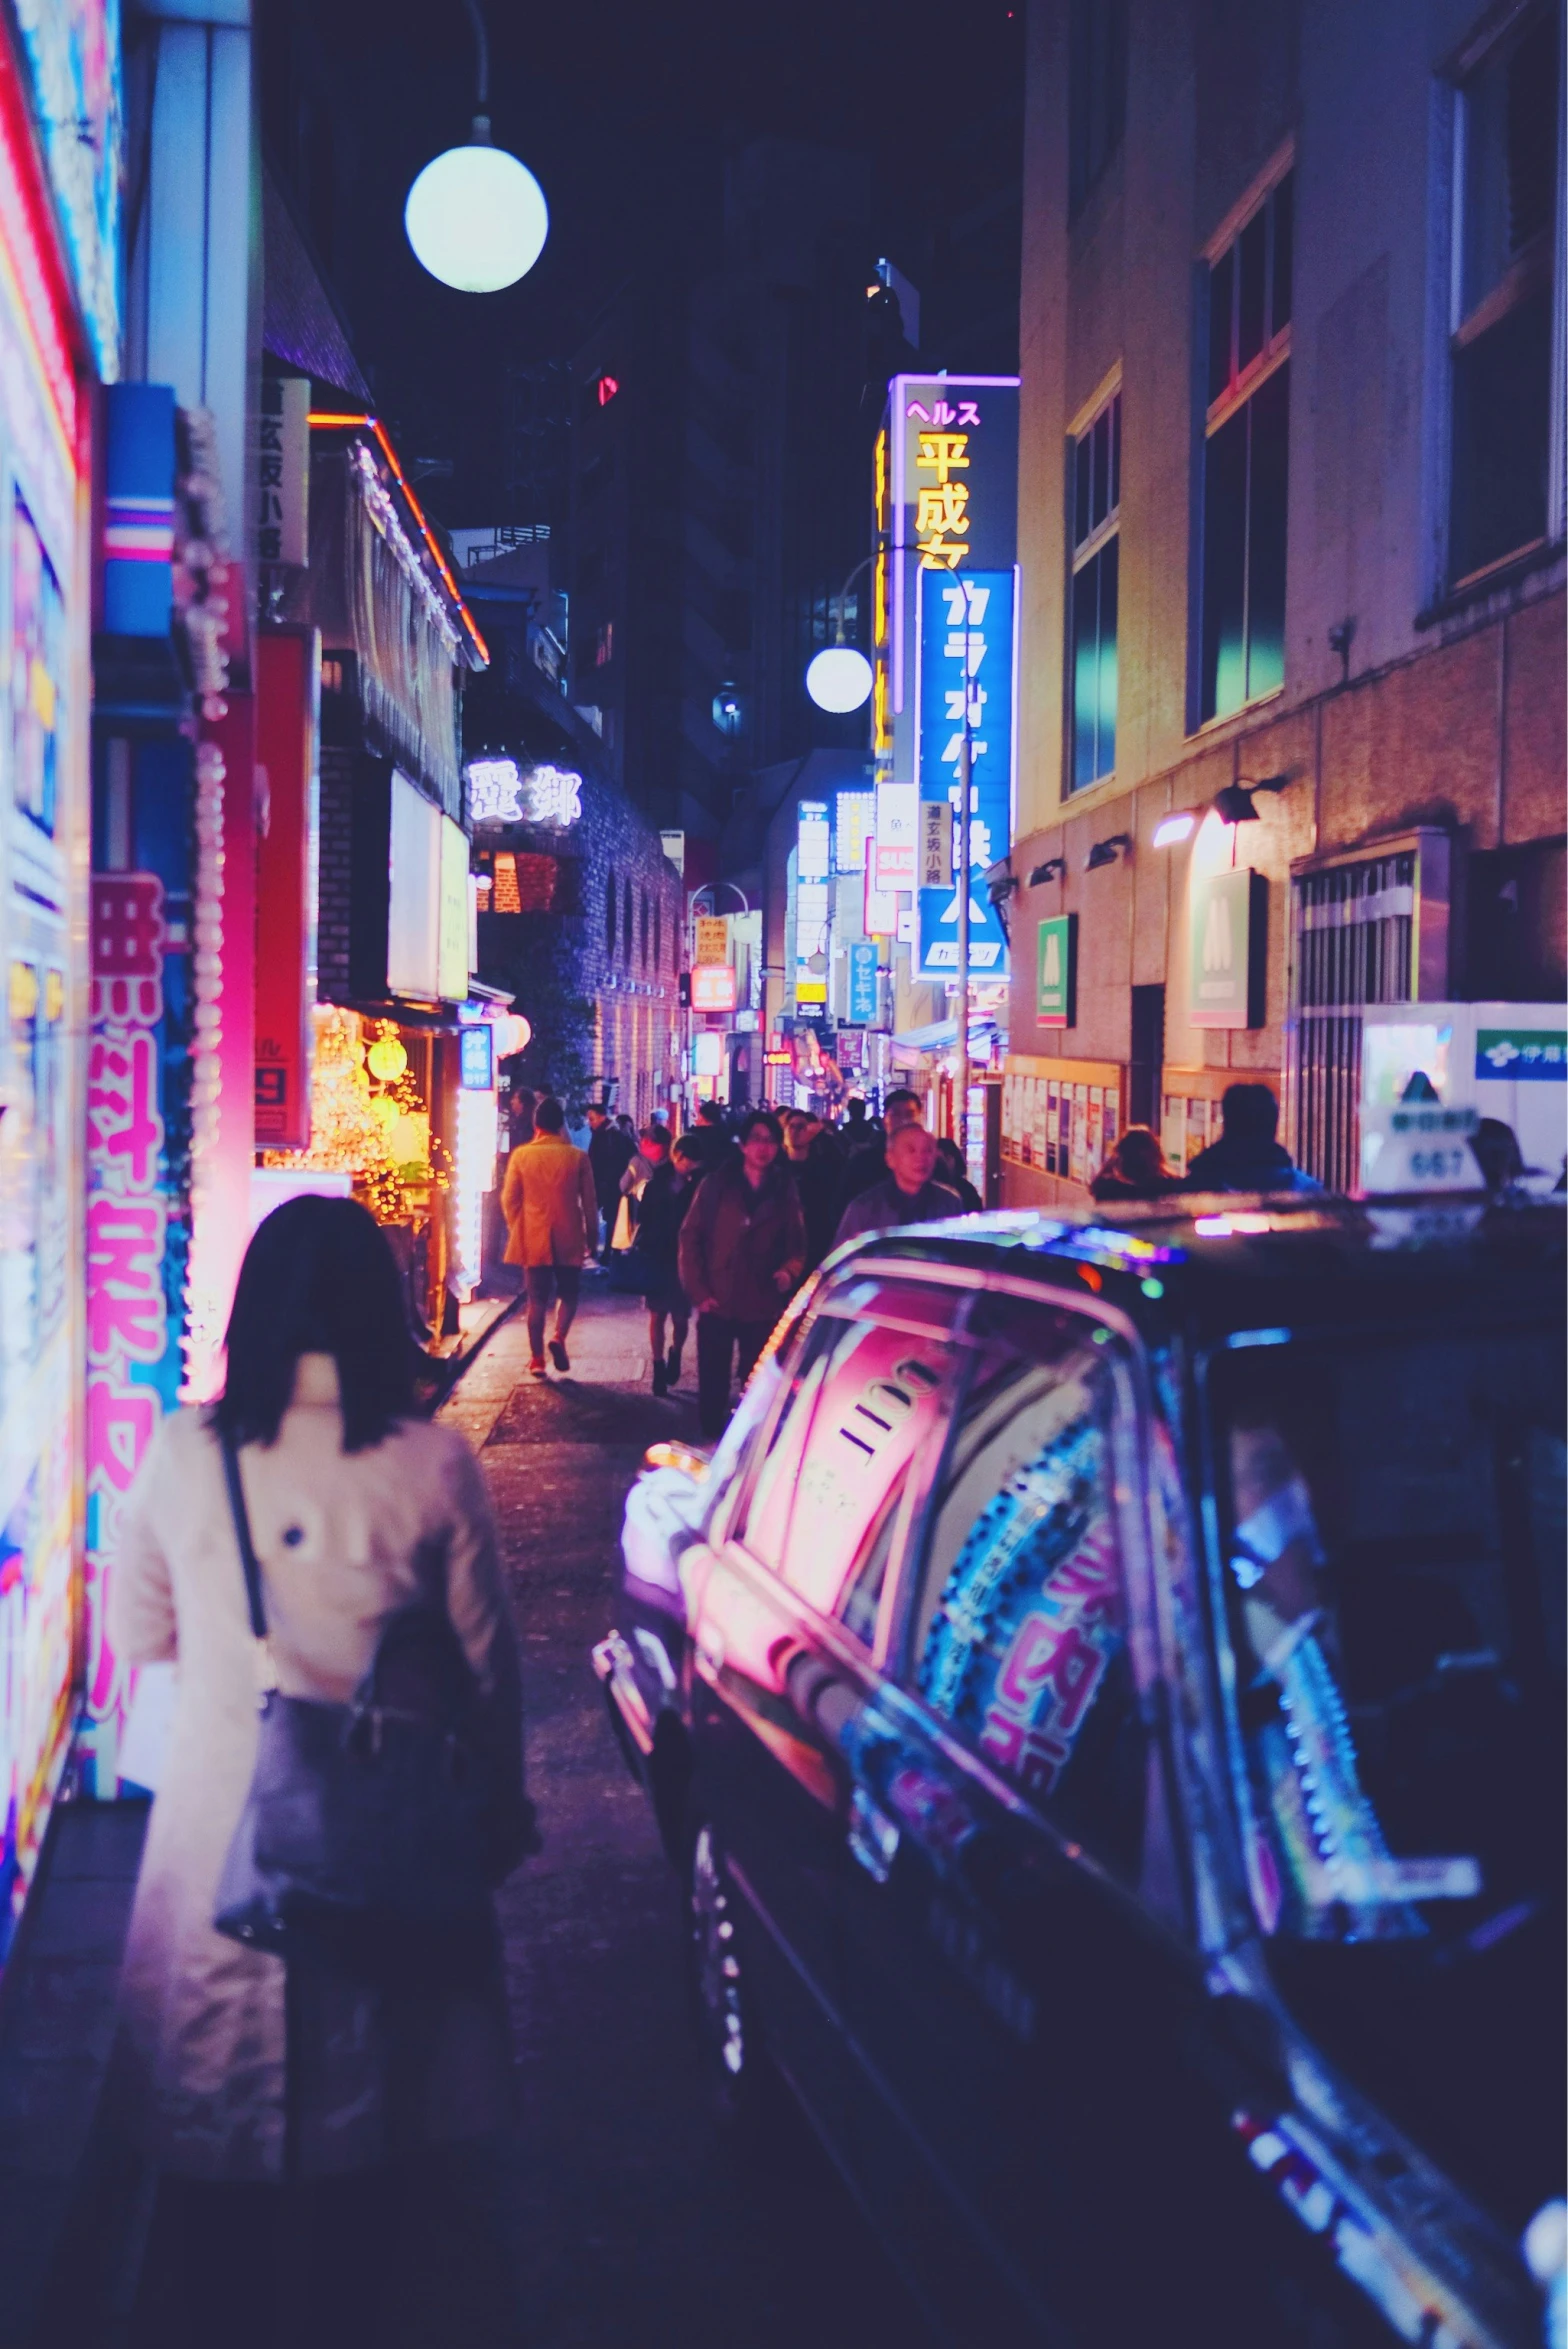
pixel 622 109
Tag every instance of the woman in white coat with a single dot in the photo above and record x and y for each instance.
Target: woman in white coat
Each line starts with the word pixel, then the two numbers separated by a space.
pixel 234 2072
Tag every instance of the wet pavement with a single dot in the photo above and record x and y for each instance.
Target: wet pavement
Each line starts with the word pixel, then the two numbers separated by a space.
pixel 640 2222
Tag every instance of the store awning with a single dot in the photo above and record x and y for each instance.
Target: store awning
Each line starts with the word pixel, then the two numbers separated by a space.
pixel 942 1036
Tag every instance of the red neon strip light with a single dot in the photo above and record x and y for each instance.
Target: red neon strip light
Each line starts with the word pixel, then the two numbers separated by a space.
pixel 329 421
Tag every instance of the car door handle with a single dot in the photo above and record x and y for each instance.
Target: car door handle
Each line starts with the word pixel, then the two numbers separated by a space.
pixel 873 1836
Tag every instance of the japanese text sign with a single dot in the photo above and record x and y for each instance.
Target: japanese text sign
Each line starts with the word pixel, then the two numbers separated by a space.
pixel 966 692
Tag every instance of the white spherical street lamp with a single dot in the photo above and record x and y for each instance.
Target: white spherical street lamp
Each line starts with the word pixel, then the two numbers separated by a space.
pixel 476 217
pixel 839 679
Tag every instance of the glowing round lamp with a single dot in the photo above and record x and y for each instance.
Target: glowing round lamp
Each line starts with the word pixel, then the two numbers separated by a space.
pixel 386 1060
pixel 839 679
pixel 477 218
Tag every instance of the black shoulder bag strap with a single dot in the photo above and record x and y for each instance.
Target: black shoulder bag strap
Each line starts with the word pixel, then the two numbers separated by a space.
pixel 248 1558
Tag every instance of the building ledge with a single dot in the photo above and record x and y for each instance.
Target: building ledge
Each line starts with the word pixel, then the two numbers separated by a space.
pixel 1489 594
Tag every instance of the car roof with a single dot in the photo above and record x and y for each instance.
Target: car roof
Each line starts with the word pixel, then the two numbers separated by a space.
pixel 1228 1262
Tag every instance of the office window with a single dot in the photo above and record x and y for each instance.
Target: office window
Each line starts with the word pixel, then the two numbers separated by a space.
pixel 1096 92
pixel 1096 490
pixel 1246 460
pixel 1505 185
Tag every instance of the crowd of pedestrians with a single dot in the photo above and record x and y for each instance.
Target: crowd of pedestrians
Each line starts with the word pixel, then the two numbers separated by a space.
pixel 720 1224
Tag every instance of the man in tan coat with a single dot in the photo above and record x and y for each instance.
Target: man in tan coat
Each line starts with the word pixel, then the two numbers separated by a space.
pixel 552 1219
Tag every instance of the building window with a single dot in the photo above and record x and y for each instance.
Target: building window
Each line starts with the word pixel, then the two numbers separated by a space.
pixel 1096 93
pixel 609 916
pixel 1246 459
pixel 1506 197
pixel 1096 491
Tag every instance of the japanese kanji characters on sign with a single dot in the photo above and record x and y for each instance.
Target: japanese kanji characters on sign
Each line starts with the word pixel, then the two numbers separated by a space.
pixel 966 686
pixel 127 1216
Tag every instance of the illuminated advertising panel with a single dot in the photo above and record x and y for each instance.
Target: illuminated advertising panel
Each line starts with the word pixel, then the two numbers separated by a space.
pixel 966 680
pixel 452 914
pixel 813 864
pixel 43 1019
pixel 854 820
pixel 285 745
pixel 951 505
pixel 414 901
pixel 713 986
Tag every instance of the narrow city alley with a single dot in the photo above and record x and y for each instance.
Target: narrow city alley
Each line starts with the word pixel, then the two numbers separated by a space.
pixel 638 2222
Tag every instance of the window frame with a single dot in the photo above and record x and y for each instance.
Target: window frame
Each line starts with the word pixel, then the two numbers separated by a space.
pixel 729 1530
pixel 1243 382
pixel 1461 329
pixel 1105 401
pixel 1180 1826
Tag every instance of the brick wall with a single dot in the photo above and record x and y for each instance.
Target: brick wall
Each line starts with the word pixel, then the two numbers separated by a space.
pixel 598 1009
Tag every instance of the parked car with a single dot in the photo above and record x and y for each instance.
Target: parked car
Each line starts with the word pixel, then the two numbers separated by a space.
pixel 1105 1696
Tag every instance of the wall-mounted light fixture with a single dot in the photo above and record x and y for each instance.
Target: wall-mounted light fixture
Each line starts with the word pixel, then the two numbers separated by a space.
pixel 1052 870
pixel 1105 852
pixel 1234 805
pixel 1172 830
pixel 1001 883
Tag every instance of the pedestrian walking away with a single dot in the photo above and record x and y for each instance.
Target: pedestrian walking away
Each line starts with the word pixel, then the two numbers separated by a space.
pixel 951 1170
pixel 814 1165
pixel 1248 1155
pixel 742 1250
pixel 907 1194
pixel 671 1187
pixel 236 2072
pixel 1135 1169
pixel 551 1208
pixel 610 1151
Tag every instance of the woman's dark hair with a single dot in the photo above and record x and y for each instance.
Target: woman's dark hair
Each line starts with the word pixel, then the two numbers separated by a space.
pixel 1139 1158
pixel 656 1133
pixel 759 1117
pixel 318 1278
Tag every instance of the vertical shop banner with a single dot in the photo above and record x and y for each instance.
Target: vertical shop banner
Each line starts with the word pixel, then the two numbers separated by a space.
pixel 952 507
pixel 966 677
pixel 1056 972
pixel 132 1350
pixel 286 667
pixel 43 851
pixel 862 982
pixel 223 1140
pixel 1228 916
pixel 282 460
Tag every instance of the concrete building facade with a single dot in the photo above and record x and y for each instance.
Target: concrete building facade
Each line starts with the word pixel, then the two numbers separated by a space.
pixel 1291 514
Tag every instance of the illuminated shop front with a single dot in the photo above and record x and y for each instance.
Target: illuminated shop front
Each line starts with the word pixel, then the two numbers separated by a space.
pixel 59 327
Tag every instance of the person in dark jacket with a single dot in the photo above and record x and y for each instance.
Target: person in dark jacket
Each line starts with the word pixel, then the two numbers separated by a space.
pixel 610 1152
pixel 907 1195
pixel 671 1188
pixel 868 1164
pixel 742 1250
pixel 1247 1156
pixel 817 1173
pixel 1135 1169
pixel 950 1169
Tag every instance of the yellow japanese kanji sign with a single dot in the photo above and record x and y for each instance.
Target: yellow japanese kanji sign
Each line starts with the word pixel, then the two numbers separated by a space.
pixel 942 453
pixel 942 510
